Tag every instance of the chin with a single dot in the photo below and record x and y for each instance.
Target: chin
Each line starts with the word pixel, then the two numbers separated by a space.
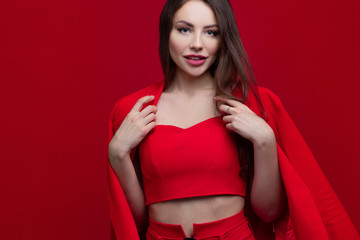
pixel 195 74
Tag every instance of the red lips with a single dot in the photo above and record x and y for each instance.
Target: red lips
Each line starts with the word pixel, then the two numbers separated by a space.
pixel 192 56
pixel 195 60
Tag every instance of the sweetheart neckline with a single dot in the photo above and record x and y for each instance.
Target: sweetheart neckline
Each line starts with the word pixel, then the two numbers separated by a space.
pixel 192 126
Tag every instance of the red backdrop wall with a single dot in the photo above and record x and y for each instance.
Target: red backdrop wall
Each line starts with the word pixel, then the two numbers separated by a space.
pixel 63 65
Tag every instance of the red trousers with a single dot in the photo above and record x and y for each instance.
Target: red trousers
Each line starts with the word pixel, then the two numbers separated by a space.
pixel 235 227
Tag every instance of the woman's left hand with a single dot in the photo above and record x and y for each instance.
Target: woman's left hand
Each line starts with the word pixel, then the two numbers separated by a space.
pixel 240 119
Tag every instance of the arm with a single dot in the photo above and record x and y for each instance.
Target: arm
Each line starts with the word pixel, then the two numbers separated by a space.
pixel 129 182
pixel 136 125
pixel 267 192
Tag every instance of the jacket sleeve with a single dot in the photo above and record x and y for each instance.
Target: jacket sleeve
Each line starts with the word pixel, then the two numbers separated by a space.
pixel 315 212
pixel 122 222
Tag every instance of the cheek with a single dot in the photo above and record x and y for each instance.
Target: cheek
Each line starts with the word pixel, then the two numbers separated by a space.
pixel 176 45
pixel 213 47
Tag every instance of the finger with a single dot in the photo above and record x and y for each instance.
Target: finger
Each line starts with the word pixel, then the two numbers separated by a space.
pixel 146 111
pixel 229 126
pixel 228 118
pixel 149 126
pixel 149 118
pixel 140 103
pixel 228 101
pixel 226 109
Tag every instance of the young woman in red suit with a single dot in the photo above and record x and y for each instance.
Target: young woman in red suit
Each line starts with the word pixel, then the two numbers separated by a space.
pixel 189 155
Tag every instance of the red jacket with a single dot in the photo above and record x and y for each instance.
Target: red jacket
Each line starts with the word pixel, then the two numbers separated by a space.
pixel 313 213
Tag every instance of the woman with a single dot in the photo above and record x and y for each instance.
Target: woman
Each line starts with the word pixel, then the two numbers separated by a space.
pixel 183 163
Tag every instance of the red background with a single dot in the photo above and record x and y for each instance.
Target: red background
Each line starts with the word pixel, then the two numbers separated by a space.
pixel 65 63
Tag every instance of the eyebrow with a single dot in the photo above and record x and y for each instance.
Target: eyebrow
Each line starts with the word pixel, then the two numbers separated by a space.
pixel 191 25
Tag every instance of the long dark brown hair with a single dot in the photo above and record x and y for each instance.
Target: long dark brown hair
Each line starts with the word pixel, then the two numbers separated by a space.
pixel 231 70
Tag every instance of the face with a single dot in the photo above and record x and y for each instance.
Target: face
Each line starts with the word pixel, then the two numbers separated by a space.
pixel 194 40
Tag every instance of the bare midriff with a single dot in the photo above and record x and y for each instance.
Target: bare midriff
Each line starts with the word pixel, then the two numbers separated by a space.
pixel 187 211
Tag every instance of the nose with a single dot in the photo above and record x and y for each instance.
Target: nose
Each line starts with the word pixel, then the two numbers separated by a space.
pixel 196 43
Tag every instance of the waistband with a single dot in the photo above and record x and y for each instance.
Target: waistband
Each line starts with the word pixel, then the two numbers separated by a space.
pixel 200 230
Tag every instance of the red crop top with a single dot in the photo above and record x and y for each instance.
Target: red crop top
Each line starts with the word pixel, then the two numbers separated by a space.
pixel 200 160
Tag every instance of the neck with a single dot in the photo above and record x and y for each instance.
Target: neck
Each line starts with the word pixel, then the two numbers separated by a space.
pixel 190 85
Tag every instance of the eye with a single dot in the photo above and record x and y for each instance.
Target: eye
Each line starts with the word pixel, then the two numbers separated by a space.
pixel 183 30
pixel 212 32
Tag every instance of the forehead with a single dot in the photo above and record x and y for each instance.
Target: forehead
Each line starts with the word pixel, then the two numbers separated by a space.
pixel 196 12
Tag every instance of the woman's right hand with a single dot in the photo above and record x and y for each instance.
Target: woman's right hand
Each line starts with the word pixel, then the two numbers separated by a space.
pixel 136 125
